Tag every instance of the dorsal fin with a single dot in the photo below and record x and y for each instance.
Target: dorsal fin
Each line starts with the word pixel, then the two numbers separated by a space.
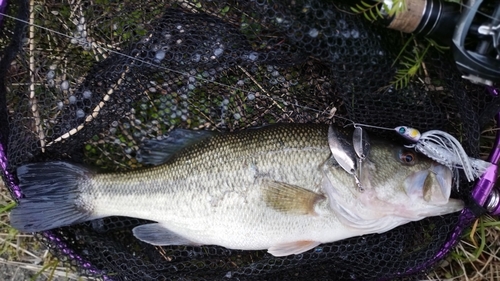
pixel 157 152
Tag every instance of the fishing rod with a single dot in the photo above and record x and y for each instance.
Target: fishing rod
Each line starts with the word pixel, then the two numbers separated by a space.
pixel 471 29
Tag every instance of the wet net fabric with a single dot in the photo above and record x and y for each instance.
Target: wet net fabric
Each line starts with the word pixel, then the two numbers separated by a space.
pixel 119 73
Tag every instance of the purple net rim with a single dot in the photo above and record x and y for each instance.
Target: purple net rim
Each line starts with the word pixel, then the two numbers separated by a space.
pixel 3 6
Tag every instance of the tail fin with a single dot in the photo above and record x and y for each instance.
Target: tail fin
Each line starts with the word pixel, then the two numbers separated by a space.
pixel 51 196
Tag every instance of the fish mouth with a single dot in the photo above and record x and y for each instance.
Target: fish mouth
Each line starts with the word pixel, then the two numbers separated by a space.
pixel 432 185
pixel 431 189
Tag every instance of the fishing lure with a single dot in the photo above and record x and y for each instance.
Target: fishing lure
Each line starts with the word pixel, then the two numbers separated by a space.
pixel 435 144
pixel 441 147
pixel 445 149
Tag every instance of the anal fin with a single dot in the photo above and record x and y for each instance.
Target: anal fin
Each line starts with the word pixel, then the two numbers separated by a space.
pixel 156 234
pixel 289 198
pixel 292 248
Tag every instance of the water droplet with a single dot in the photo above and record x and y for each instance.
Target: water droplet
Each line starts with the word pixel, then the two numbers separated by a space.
pixel 72 99
pixel 60 105
pixel 253 56
pixel 51 74
pixel 355 33
pixel 250 96
pixel 225 101
pixel 313 32
pixel 160 55
pixel 87 94
pixel 196 57
pixel 138 157
pixel 80 113
pixel 237 116
pixel 218 52
pixel 64 85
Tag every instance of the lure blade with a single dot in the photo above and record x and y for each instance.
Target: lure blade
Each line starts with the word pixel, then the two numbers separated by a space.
pixel 360 142
pixel 339 152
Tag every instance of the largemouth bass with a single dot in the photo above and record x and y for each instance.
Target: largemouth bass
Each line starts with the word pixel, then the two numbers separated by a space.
pixel 276 188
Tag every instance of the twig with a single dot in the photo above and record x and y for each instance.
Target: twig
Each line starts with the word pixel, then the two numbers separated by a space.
pixel 59 271
pixel 33 100
pixel 264 91
pixel 19 248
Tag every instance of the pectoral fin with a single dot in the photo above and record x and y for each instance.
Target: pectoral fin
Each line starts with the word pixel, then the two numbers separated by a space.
pixel 292 248
pixel 156 234
pixel 288 198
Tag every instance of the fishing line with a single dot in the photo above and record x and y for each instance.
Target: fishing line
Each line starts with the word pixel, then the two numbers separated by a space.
pixel 160 66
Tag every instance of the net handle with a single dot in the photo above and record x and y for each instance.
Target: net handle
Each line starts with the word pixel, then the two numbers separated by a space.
pixel 485 187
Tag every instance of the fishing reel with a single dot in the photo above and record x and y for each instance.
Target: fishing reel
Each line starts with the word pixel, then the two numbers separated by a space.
pixel 471 29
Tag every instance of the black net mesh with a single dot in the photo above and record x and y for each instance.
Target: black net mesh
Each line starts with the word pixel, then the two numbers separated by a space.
pixel 119 72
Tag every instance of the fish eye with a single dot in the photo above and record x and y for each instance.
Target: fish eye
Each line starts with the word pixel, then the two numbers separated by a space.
pixel 407 157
